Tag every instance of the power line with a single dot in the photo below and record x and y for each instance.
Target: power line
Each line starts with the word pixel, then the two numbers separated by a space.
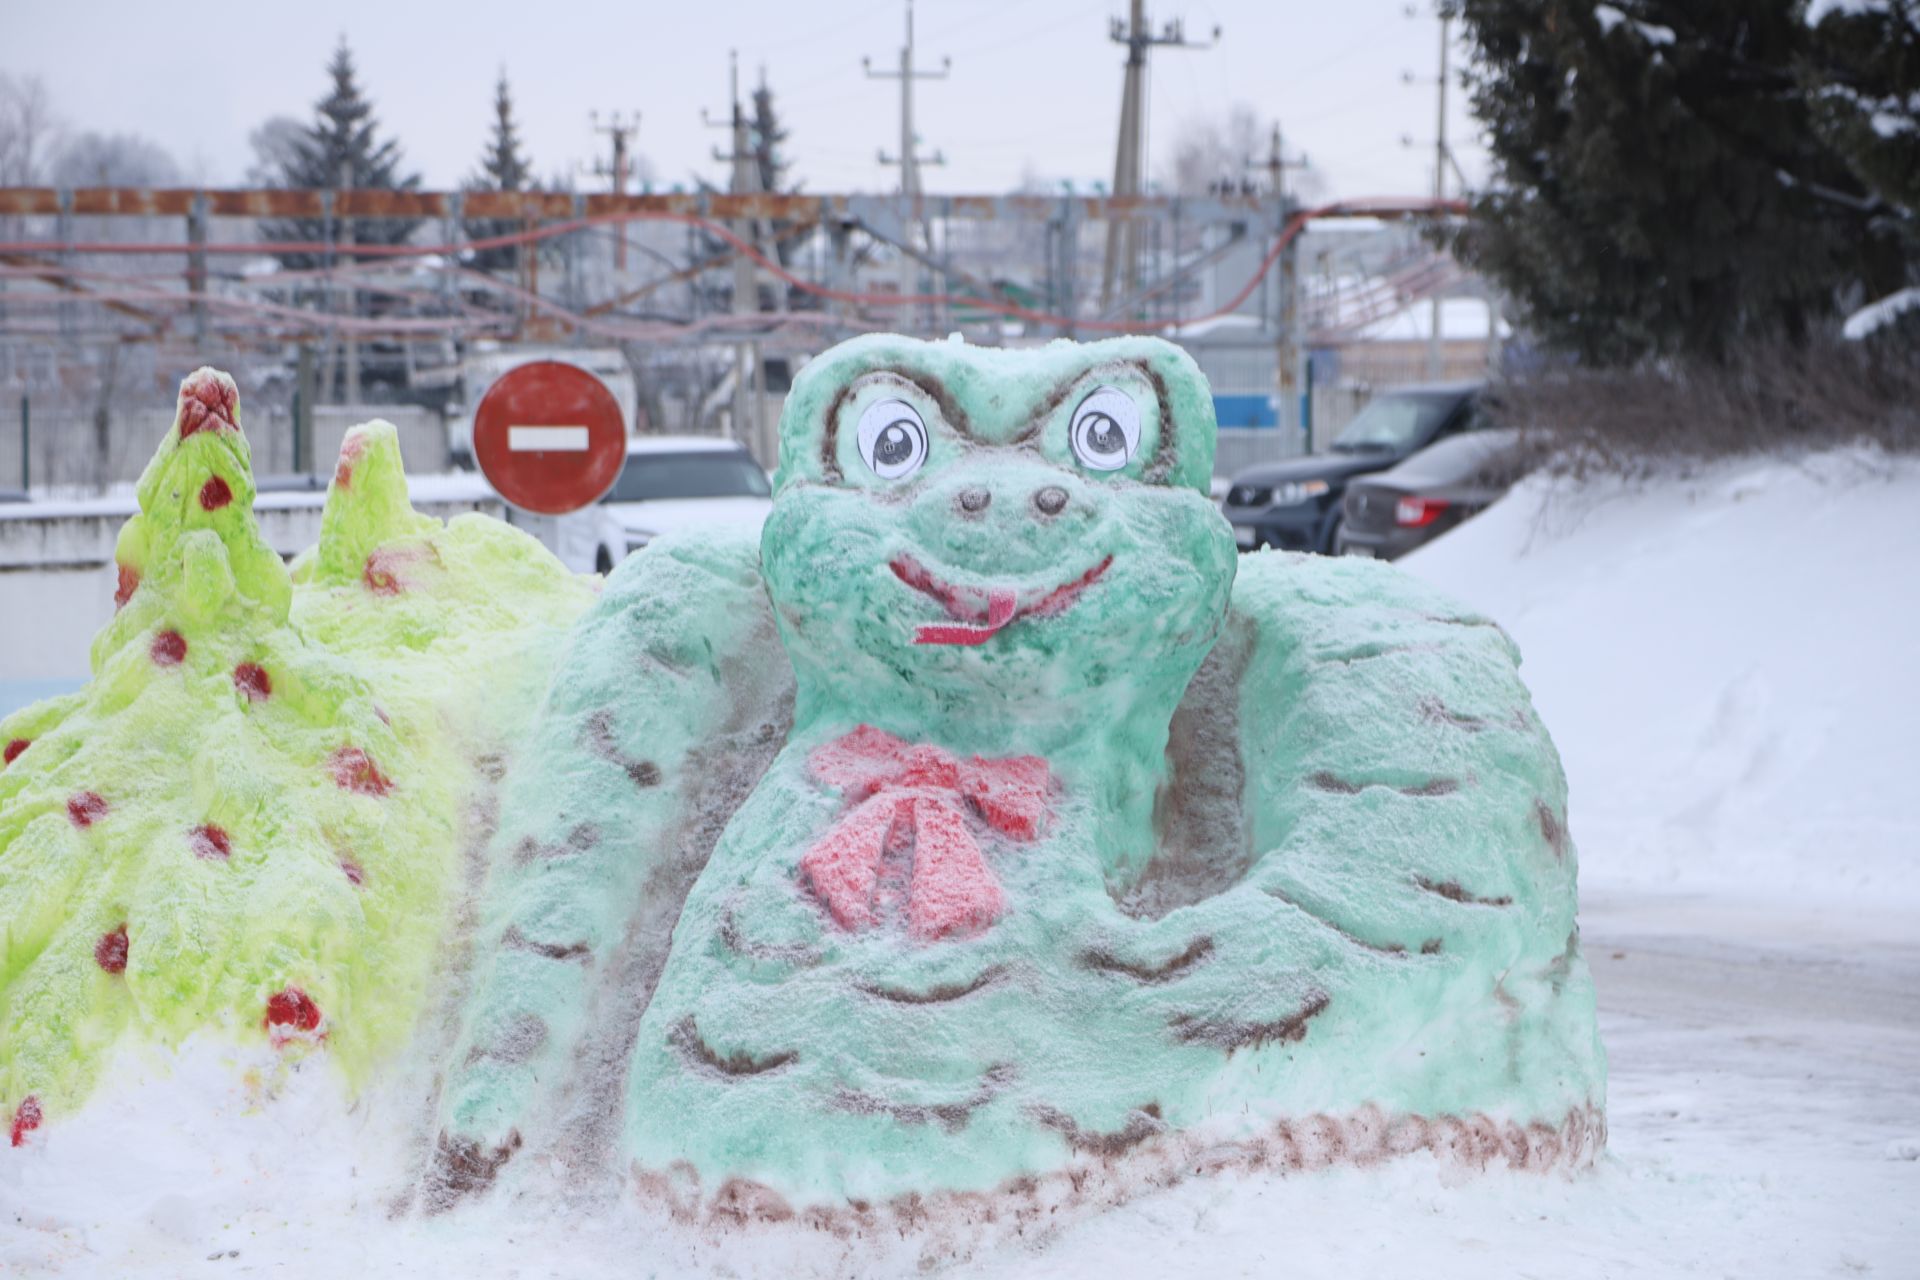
pixel 819 33
pixel 1026 36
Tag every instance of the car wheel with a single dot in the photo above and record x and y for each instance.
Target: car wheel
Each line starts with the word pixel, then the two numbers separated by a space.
pixel 603 561
pixel 1332 545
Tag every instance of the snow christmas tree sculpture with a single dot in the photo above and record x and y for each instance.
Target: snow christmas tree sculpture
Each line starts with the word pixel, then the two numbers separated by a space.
pixel 248 822
pixel 979 841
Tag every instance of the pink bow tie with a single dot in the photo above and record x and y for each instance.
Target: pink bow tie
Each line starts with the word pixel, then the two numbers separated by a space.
pixel 896 788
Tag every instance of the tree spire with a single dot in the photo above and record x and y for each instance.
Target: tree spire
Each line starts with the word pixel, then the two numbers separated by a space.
pixel 341 147
pixel 502 166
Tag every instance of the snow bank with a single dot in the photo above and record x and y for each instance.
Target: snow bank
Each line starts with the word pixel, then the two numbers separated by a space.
pixel 1818 10
pixel 1652 33
pixel 1726 662
pixel 1875 316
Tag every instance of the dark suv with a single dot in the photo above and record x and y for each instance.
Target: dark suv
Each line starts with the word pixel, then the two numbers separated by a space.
pixel 1295 504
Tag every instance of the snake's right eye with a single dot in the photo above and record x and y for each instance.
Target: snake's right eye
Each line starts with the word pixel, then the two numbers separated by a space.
pixel 893 439
pixel 1106 430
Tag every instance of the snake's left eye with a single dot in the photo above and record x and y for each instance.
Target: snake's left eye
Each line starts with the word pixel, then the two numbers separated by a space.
pixel 1106 430
pixel 893 440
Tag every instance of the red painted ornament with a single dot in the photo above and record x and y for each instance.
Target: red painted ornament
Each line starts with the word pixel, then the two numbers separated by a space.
pixel 26 1118
pixel 215 494
pixel 85 808
pixel 110 953
pixel 252 679
pixel 169 649
pixel 382 574
pixel 293 1009
pixel 354 770
pixel 210 842
pixel 349 454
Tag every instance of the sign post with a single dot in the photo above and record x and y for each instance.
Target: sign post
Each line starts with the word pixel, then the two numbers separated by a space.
pixel 549 438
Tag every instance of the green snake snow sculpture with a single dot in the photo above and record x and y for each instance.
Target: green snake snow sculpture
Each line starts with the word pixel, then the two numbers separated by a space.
pixel 981 841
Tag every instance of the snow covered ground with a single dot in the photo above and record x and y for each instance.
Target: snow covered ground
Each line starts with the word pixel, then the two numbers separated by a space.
pixel 1727 662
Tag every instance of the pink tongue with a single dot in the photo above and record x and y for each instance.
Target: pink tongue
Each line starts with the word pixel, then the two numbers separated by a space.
pixel 1000 607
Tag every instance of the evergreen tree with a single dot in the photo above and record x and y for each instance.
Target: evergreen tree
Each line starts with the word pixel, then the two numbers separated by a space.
pixel 1862 77
pixel 766 135
pixel 342 148
pixel 502 168
pixel 1660 185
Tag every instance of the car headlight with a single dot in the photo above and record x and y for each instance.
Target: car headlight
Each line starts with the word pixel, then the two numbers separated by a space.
pixel 1290 495
pixel 638 538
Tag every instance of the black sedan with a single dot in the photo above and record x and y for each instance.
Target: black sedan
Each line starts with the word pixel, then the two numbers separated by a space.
pixel 1295 504
pixel 1389 514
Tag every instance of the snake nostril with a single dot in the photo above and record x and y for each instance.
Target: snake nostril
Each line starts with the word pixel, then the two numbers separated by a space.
pixel 1051 500
pixel 974 500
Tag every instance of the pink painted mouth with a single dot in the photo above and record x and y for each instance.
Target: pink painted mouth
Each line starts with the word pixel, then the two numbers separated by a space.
pixel 980 613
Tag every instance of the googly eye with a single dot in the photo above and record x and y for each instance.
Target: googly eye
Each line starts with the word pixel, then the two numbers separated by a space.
pixel 893 440
pixel 1106 430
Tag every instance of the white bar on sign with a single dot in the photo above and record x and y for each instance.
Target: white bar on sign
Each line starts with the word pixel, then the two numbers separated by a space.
pixel 546 439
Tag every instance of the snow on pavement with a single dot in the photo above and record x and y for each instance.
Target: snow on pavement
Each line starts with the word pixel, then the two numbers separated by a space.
pixel 1765 1105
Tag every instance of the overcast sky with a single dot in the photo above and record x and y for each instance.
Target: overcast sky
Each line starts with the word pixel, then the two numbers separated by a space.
pixel 1034 86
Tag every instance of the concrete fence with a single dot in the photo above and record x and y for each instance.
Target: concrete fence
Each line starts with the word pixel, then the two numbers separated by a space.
pixel 72 448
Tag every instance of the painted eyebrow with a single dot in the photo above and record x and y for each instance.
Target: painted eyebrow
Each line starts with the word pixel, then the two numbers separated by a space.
pixel 950 411
pixel 1163 451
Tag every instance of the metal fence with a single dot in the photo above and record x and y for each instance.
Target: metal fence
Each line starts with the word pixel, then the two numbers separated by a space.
pixel 109 295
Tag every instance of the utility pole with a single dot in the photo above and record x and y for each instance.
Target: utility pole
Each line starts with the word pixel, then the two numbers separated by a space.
pixel 909 158
pixel 1290 352
pixel 1123 236
pixel 350 343
pixel 1440 159
pixel 765 234
pixel 620 130
pixel 744 180
pixel 1276 164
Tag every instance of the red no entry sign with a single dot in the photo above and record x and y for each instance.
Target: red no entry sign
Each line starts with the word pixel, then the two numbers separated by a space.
pixel 549 437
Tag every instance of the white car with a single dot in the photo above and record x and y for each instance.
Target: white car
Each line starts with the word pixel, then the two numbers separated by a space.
pixel 668 483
